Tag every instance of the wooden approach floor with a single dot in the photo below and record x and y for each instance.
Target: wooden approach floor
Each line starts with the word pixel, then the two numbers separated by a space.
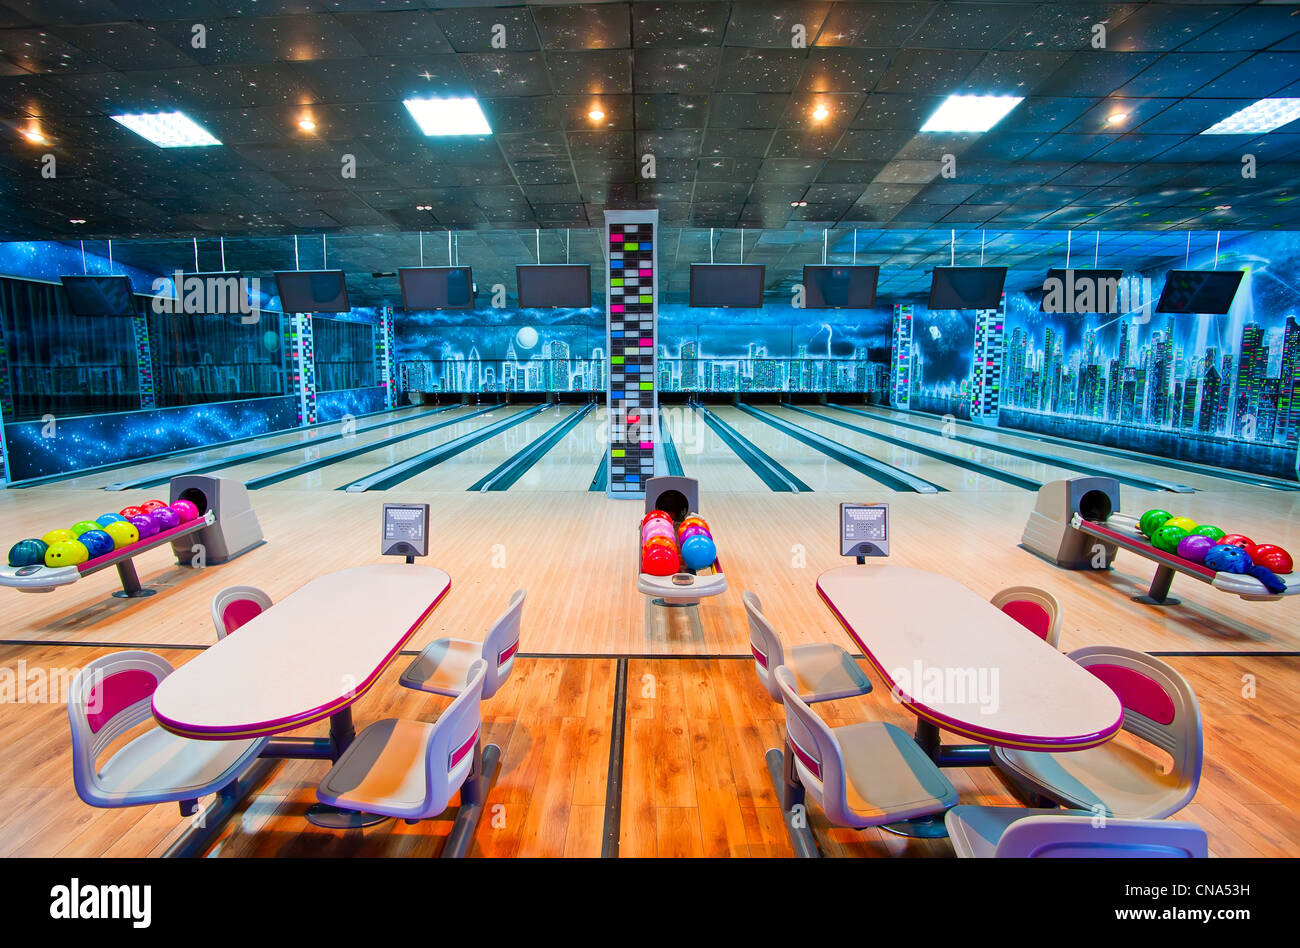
pixel 691 778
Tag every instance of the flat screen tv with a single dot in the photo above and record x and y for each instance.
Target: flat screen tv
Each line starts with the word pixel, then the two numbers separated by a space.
pixel 1199 291
pixel 554 285
pixel 1081 291
pixel 967 287
pixel 312 291
pixel 437 287
pixel 727 285
pixel 99 295
pixel 827 287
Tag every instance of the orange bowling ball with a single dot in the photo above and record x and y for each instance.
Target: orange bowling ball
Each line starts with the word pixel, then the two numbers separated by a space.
pixel 666 542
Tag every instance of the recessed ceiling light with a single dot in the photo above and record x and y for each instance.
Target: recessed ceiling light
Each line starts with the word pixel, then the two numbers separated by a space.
pixel 424 207
pixel 1223 207
pixel 167 129
pixel 1263 116
pixel 971 113
pixel 448 116
pixel 1117 117
pixel 821 112
pixel 77 220
pixel 34 135
pixel 306 124
pixel 595 115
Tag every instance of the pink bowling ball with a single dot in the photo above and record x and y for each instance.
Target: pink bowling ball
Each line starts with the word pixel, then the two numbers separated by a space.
pixel 187 510
pixel 658 528
pixel 144 525
pixel 165 518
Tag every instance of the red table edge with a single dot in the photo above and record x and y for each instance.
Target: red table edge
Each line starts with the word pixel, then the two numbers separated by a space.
pixel 267 728
pixel 1000 738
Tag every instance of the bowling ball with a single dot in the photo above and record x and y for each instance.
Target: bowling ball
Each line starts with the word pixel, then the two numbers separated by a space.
pixel 165 517
pixel 105 519
pixel 1152 521
pixel 97 543
pixel 81 526
pixel 660 562
pixel 1235 539
pixel 123 534
pixel 656 515
pixel 1194 547
pixel 66 553
pixel 692 531
pixel 144 525
pixel 694 520
pixel 27 553
pixel 187 510
pixel 1273 558
pixel 653 542
pixel 658 528
pixel 1167 538
pixel 129 512
pixel 1224 558
pixel 54 536
pixel 151 505
pixel 698 551
pixel 1187 523
pixel 1208 530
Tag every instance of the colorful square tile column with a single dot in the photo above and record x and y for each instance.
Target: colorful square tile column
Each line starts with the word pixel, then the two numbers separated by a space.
pixel 300 363
pixel 632 308
pixel 143 361
pixel 986 370
pixel 384 348
pixel 900 370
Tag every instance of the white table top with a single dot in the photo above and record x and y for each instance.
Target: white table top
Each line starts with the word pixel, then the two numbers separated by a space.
pixel 956 660
pixel 307 657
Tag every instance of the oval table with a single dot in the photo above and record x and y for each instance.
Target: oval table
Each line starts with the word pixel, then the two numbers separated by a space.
pixel 305 659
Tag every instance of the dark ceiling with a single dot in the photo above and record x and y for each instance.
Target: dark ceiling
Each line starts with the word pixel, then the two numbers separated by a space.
pixel 713 90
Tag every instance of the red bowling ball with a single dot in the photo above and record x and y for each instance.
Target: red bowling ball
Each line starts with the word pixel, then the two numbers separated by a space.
pixel 1272 557
pixel 1236 539
pixel 129 512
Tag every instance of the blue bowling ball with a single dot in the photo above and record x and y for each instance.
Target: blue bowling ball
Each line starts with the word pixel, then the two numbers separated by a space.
pixel 698 551
pixel 1224 558
pixel 105 519
pixel 27 553
pixel 96 542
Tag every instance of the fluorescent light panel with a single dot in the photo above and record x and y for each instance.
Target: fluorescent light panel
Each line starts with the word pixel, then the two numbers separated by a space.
pixel 167 129
pixel 971 113
pixel 443 116
pixel 1263 116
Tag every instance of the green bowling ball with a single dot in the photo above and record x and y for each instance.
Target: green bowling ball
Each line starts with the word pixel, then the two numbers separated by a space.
pixel 82 526
pixel 27 553
pixel 1209 530
pixel 1167 538
pixel 1152 521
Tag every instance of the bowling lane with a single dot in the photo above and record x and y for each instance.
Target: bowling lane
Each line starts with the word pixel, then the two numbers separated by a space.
pixel 466 468
pixel 1007 436
pixel 809 465
pixel 569 465
pixel 950 476
pixel 307 439
pixel 707 458
pixel 346 470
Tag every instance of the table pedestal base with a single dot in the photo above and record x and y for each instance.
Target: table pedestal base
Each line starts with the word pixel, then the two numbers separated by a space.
pixel 950 755
pixel 332 817
pixel 212 820
pixel 923 827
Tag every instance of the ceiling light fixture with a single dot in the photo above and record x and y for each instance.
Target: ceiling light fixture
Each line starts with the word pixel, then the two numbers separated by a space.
pixel 424 207
pixel 595 115
pixel 971 113
pixel 820 112
pixel 167 129
pixel 35 136
pixel 1116 117
pixel 306 124
pixel 1262 116
pixel 76 220
pixel 448 116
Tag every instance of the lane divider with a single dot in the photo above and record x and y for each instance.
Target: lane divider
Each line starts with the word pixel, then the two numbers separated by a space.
pixel 892 477
pixel 1016 480
pixel 601 481
pixel 316 464
pixel 671 457
pixel 769 471
pixel 395 474
pixel 505 475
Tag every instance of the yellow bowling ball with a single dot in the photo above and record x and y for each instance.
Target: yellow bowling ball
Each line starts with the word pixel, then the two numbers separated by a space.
pixel 56 536
pixel 123 534
pixel 66 553
pixel 1186 523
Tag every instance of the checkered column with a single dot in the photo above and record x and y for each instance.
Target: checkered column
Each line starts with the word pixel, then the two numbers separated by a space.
pixel 632 394
pixel 300 358
pixel 143 361
pixel 986 372
pixel 384 344
pixel 900 373
pixel 6 404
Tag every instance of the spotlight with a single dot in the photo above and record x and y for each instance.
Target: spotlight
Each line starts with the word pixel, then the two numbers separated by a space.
pixel 595 115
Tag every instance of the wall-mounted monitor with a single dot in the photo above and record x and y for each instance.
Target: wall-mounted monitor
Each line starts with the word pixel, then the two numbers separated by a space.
pixel 1199 291
pixel 554 285
pixel 99 295
pixel 827 287
pixel 727 285
pixel 967 287
pixel 312 291
pixel 1081 291
pixel 436 287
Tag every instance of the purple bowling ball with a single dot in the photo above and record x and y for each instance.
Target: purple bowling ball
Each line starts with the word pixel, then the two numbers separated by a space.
pixel 165 518
pixel 1194 547
pixel 144 524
